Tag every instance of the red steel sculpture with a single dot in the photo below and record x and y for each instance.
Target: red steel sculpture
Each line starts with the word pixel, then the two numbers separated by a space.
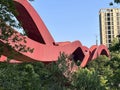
pixel 45 48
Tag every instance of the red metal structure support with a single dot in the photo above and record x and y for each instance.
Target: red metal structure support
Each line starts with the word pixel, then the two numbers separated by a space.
pixel 45 48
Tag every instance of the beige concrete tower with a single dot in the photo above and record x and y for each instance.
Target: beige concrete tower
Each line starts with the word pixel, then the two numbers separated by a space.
pixel 109 25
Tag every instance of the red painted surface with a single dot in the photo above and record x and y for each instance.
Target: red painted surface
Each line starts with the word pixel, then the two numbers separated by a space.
pixel 45 48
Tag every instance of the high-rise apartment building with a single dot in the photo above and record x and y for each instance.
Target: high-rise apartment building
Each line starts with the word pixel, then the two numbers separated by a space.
pixel 109 25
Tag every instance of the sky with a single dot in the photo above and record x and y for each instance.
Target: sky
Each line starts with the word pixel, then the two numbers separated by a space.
pixel 70 20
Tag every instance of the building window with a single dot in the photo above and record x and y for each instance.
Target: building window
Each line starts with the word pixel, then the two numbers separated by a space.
pixel 111 18
pixel 109 32
pixel 112 32
pixel 108 14
pixel 109 45
pixel 111 14
pixel 108 18
pixel 118 14
pixel 109 27
pixel 108 23
pixel 109 36
pixel 109 41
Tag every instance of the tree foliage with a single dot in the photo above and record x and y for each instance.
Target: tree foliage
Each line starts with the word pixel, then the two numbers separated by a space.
pixel 114 64
pixel 35 76
pixel 114 1
pixel 109 69
pixel 8 23
pixel 117 1
pixel 85 79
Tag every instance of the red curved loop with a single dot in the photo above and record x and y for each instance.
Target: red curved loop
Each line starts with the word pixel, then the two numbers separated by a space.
pixel 32 23
pixel 45 48
pixel 100 50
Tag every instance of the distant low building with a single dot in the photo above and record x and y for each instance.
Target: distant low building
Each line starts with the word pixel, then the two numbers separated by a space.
pixel 109 25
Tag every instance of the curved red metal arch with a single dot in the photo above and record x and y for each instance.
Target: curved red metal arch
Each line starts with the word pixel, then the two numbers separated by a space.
pixel 32 23
pixel 100 50
pixel 45 48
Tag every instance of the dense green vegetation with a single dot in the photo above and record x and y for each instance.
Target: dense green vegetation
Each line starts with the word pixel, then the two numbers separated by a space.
pixel 100 74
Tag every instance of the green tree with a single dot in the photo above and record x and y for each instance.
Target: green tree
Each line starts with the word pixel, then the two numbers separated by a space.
pixel 7 32
pixel 117 1
pixel 100 65
pixel 108 70
pixel 85 79
pixel 19 77
pixel 115 77
pixel 35 76
pixel 115 45
pixel 114 64
pixel 114 1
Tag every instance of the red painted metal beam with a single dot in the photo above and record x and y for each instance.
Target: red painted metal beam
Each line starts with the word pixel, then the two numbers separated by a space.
pixel 45 48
